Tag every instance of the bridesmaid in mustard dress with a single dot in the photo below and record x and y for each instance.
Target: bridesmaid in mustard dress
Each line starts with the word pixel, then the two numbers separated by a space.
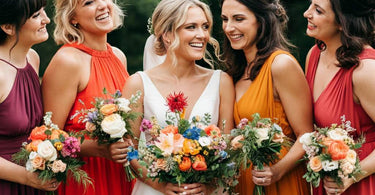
pixel 269 81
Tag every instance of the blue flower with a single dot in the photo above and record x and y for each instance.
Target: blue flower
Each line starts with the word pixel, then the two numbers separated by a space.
pixel 132 153
pixel 118 94
pixel 192 133
pixel 223 154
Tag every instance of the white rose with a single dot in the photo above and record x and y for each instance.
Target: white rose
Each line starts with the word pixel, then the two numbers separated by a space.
pixel 205 141
pixel 123 104
pixel 337 134
pixel 47 151
pixel 29 166
pixel 114 126
pixel 262 134
pixel 330 165
pixel 306 139
pixel 347 167
pixel 32 155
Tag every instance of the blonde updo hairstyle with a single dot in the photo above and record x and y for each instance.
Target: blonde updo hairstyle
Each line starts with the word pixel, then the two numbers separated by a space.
pixel 169 16
pixel 65 31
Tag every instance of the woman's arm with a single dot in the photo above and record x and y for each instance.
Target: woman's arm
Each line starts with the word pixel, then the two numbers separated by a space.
pixel 227 98
pixel 293 92
pixel 66 75
pixel 15 173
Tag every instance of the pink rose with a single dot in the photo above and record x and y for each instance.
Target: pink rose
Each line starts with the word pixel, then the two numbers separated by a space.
pixel 58 166
pixel 315 164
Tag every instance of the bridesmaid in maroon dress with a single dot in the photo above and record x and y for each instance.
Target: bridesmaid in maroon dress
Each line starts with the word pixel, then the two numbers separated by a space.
pixel 340 71
pixel 22 24
pixel 77 73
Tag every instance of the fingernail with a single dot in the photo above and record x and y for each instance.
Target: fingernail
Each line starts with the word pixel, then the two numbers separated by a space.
pixel 184 193
pixel 185 187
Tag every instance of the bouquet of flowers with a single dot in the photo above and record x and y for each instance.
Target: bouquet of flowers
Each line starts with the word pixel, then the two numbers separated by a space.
pixel 331 152
pixel 52 153
pixel 258 142
pixel 109 121
pixel 186 152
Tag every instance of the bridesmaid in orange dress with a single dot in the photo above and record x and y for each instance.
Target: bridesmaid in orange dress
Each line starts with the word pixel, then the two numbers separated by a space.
pixel 77 73
pixel 340 72
pixel 269 81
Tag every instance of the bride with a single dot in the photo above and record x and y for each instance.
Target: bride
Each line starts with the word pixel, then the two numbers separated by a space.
pixel 182 31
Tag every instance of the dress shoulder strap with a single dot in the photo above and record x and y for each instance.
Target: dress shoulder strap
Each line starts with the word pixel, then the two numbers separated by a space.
pixel 9 63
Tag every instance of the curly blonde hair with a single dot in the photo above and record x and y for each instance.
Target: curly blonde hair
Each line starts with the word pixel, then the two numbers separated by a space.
pixel 65 32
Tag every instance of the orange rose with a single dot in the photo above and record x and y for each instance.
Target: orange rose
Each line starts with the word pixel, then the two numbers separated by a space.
pixel 199 163
pixel 33 146
pixel 38 133
pixel 108 109
pixel 315 164
pixel 169 129
pixel 185 164
pixel 56 134
pixel 338 150
pixel 212 131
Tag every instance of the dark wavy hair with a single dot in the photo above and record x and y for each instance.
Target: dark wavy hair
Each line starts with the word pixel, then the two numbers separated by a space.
pixel 16 12
pixel 357 19
pixel 272 20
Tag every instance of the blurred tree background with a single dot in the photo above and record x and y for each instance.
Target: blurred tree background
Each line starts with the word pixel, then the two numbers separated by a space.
pixel 132 36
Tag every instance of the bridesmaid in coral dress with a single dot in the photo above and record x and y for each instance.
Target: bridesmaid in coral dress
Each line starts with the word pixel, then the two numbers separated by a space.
pixel 340 72
pixel 77 73
pixel 268 81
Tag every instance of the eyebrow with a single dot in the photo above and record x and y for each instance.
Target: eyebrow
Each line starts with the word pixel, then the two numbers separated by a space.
pixel 236 15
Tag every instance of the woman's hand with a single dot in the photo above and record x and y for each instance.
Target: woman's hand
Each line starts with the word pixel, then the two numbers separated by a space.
pixel 196 188
pixel 265 177
pixel 331 186
pixel 118 151
pixel 32 179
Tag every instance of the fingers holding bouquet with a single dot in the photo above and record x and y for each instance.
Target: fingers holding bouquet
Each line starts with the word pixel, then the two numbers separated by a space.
pixel 195 188
pixel 119 151
pixel 332 187
pixel 263 177
pixel 34 181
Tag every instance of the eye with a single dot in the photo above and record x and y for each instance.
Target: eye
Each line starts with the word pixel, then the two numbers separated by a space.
pixel 239 19
pixel 88 3
pixel 36 14
pixel 224 18
pixel 190 27
pixel 318 11
pixel 206 26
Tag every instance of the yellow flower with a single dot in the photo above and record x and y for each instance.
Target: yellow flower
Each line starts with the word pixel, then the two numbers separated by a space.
pixel 58 146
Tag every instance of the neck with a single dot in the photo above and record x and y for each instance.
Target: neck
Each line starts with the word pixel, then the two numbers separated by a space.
pixel 96 42
pixel 16 55
pixel 250 53
pixel 181 69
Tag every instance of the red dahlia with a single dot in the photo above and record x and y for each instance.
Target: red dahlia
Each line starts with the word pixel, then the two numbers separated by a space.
pixel 176 102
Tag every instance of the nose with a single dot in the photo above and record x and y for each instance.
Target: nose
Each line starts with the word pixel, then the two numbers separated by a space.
pixel 45 19
pixel 227 26
pixel 307 13
pixel 200 32
pixel 103 4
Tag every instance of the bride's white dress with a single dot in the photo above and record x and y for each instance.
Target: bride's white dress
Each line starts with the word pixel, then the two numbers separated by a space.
pixel 155 105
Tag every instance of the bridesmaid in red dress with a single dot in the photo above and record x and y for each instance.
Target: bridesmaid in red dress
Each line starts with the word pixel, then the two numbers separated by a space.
pixel 77 73
pixel 22 25
pixel 340 71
